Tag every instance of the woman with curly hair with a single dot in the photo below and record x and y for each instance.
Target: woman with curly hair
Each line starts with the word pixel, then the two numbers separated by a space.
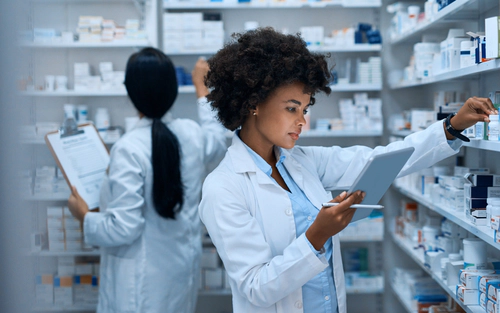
pixel 262 204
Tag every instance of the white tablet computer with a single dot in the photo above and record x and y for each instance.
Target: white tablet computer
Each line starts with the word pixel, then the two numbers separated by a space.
pixel 377 176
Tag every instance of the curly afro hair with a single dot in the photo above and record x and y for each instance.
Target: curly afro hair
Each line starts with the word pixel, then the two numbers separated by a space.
pixel 245 72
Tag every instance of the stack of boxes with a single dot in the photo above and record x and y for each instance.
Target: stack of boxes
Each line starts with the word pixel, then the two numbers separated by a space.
pixel 74 284
pixel 97 29
pixel 479 287
pixel 362 114
pixel 64 231
pixel 107 80
pixel 184 32
pixel 49 181
pixel 89 28
pixel 370 72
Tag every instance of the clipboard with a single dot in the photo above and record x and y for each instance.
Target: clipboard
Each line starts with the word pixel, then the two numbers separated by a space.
pixel 377 176
pixel 82 157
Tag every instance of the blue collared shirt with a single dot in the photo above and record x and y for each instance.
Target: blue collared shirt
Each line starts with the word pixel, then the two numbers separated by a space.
pixel 318 294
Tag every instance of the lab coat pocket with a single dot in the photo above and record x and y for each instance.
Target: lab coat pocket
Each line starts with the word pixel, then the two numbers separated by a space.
pixel 123 282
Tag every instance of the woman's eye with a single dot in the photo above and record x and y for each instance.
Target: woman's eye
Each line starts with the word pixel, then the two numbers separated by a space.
pixel 305 112
pixel 291 109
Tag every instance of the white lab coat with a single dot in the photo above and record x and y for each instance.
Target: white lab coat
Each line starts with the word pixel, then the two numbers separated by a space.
pixel 150 264
pixel 250 218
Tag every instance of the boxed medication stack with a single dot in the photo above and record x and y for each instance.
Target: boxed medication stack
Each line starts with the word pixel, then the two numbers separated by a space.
pixel 474 285
pixel 44 289
pixel 89 28
pixel 63 290
pixel 192 31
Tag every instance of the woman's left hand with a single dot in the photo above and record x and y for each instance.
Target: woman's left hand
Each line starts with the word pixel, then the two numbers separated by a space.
pixel 77 206
pixel 474 110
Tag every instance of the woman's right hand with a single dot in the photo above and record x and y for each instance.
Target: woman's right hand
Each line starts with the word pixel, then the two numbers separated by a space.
pixel 199 73
pixel 332 220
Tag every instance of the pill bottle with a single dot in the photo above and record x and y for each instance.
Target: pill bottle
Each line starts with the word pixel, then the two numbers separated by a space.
pixel 474 254
pixel 102 119
pixel 493 128
pixel 492 209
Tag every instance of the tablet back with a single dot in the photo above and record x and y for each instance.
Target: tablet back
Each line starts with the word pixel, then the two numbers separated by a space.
pixel 377 176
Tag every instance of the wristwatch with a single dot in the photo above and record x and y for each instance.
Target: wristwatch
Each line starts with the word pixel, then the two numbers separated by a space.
pixel 453 131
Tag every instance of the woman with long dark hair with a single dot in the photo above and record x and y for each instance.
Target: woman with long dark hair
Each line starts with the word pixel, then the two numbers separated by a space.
pixel 148 228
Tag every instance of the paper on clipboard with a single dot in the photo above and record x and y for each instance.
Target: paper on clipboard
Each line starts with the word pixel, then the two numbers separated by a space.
pixel 83 159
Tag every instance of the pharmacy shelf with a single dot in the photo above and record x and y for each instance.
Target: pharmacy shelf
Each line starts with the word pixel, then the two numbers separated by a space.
pixel 215 292
pixel 351 48
pixel 365 47
pixel 474 143
pixel 470 72
pixel 46 253
pixel 418 257
pixel 356 87
pixel 484 145
pixel 353 291
pixel 72 308
pixel 483 232
pixel 182 5
pixel 77 44
pixel 401 299
pixel 93 93
pixel 360 239
pixel 458 10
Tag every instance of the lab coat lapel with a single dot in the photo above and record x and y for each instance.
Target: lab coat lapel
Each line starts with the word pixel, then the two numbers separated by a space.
pixel 315 192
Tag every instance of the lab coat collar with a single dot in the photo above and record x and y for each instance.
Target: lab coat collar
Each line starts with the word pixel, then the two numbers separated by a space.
pixel 244 163
pixel 146 121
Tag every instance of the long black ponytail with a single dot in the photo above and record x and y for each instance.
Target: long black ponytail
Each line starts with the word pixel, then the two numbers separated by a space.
pixel 152 86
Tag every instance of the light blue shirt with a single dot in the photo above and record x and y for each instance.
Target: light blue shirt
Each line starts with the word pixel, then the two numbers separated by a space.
pixel 318 294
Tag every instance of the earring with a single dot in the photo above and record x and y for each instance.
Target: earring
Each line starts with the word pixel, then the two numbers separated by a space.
pixel 254 113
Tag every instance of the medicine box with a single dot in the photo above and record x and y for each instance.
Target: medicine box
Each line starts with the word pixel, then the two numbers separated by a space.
pixel 492 32
pixel 492 279
pixel 467 296
pixel 473 203
pixel 462 170
pixel 491 307
pixel 492 291
pixel 44 289
pixel 470 278
pixel 483 300
pixel 63 290
pixel 483 180
pixel 481 192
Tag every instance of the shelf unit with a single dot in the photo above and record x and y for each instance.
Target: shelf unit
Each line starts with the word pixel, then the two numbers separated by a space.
pixel 458 10
pixel 418 257
pixel 93 93
pixel 77 44
pixel 478 80
pixel 483 232
pixel 267 5
pixel 471 72
pixel 57 58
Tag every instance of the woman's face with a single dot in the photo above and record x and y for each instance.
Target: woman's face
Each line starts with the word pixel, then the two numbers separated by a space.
pixel 280 118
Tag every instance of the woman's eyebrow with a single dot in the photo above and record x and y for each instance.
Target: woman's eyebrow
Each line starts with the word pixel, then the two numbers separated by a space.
pixel 294 101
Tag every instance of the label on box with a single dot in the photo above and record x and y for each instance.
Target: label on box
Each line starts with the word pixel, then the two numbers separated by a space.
pixel 492 291
pixel 483 282
pixel 483 299
pixel 467 296
pixel 470 278
pixel 491 307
